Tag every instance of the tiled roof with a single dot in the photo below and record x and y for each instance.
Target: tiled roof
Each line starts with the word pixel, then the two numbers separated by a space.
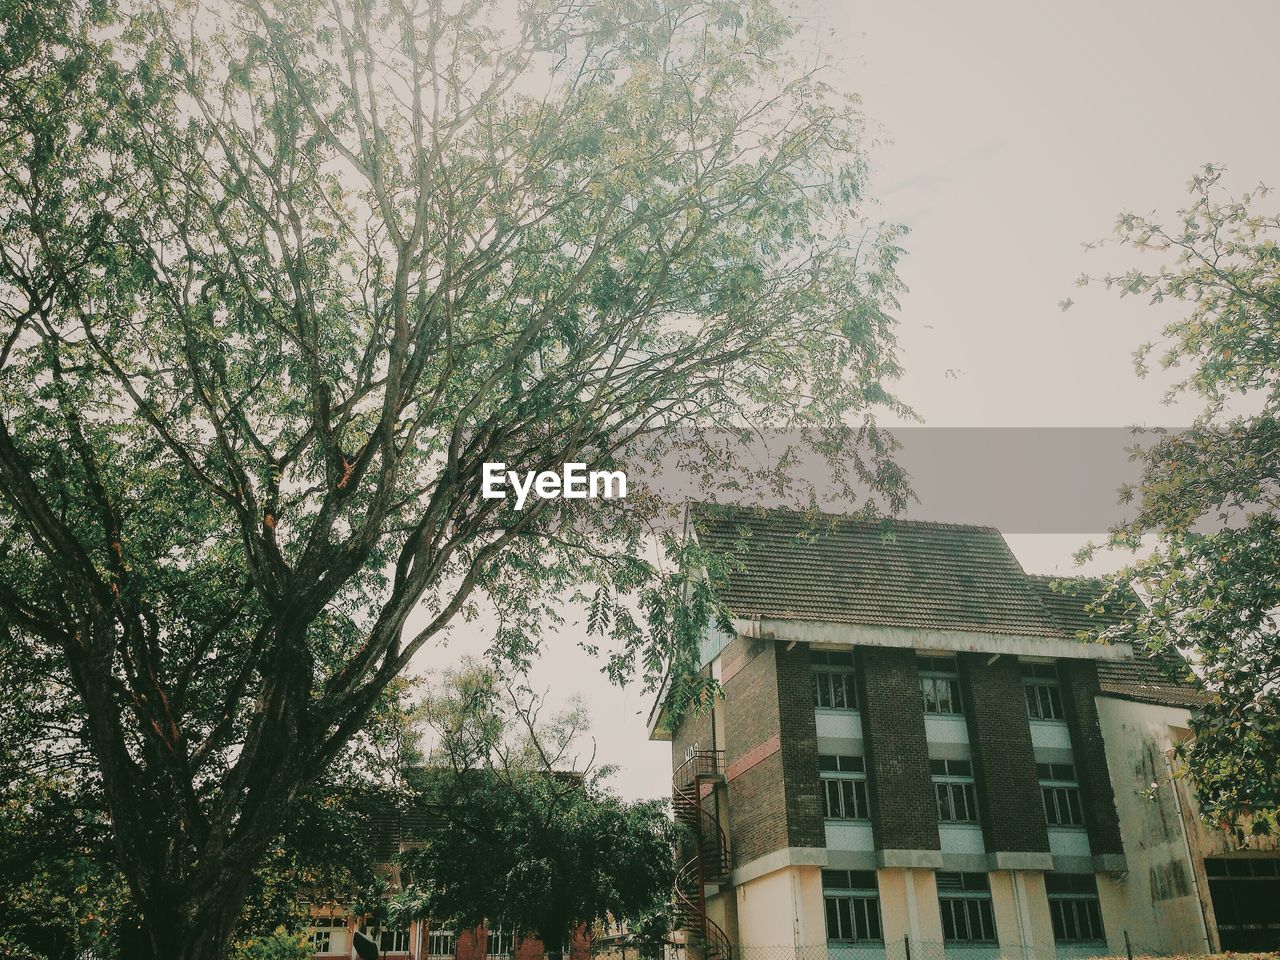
pixel 1162 677
pixel 826 568
pixel 838 569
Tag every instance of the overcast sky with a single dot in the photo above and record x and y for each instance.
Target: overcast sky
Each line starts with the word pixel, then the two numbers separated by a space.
pixel 1010 133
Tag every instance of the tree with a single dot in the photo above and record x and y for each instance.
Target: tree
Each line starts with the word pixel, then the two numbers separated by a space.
pixel 60 878
pixel 530 842
pixel 1211 587
pixel 278 278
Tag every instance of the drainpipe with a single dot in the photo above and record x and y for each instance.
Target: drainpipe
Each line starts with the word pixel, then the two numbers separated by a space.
pixel 1191 860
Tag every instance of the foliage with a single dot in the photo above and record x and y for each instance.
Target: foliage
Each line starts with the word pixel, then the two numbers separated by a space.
pixel 278 278
pixel 1209 494
pixel 527 842
pixel 279 945
pixel 60 878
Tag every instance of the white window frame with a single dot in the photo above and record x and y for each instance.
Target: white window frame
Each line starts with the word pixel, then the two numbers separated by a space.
pixel 434 941
pixel 940 680
pixel 1042 688
pixel 1056 792
pixel 846 785
pixel 500 937
pixel 953 781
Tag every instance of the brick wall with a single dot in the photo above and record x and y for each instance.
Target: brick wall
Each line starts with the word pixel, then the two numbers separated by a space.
pixel 1079 682
pixel 1004 762
pixel 903 811
pixel 753 754
pixel 771 749
pixel 805 826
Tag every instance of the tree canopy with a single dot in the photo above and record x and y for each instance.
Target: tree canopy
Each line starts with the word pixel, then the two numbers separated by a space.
pixel 278 277
pixel 530 838
pixel 1210 589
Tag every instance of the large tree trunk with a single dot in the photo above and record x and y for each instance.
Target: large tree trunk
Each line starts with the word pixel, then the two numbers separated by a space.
pixel 189 880
pixel 199 928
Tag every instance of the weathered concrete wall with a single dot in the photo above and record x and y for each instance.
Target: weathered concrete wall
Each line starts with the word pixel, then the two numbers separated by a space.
pixel 1157 900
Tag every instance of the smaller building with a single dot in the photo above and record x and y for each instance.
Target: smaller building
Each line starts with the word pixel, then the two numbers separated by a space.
pixel 334 924
pixel 332 929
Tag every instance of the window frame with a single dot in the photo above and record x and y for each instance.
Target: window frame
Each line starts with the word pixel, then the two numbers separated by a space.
pixel 858 892
pixel 1059 788
pixel 501 937
pixel 377 933
pixel 952 778
pixel 834 672
pixel 1042 687
pixel 934 670
pixel 969 901
pixel 320 940
pixel 1080 902
pixel 847 775
pixel 450 937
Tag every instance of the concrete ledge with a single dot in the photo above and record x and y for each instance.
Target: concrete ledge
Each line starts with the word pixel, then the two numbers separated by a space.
pixel 1020 860
pixel 931 859
pixel 852 860
pixel 779 860
pixel 1110 863
pixel 965 641
pixel 1066 864
pixel 965 862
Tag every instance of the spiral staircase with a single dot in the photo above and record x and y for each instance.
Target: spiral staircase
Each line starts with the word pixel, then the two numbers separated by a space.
pixel 704 855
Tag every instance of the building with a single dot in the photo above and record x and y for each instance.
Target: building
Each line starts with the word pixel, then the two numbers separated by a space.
pixel 915 756
pixel 392 831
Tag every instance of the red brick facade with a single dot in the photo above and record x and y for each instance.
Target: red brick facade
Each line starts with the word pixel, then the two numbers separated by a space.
pixel 1004 762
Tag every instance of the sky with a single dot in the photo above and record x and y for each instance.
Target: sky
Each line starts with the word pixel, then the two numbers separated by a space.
pixel 1005 135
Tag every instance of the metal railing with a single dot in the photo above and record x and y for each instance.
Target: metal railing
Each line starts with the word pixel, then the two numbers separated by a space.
pixel 704 859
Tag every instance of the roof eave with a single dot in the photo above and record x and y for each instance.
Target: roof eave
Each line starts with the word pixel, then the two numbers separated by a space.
pixel 921 638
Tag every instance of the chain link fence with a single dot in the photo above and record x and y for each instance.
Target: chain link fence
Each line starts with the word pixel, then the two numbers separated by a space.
pixel 914 949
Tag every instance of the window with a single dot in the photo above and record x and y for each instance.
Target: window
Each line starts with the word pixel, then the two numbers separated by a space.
pixel 321 941
pixel 940 684
pixel 953 789
pixel 1073 905
pixel 1061 794
pixel 964 900
pixel 1040 683
pixel 844 785
pixel 500 943
pixel 441 943
pixel 853 905
pixel 833 681
pixel 389 940
pixel 322 932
